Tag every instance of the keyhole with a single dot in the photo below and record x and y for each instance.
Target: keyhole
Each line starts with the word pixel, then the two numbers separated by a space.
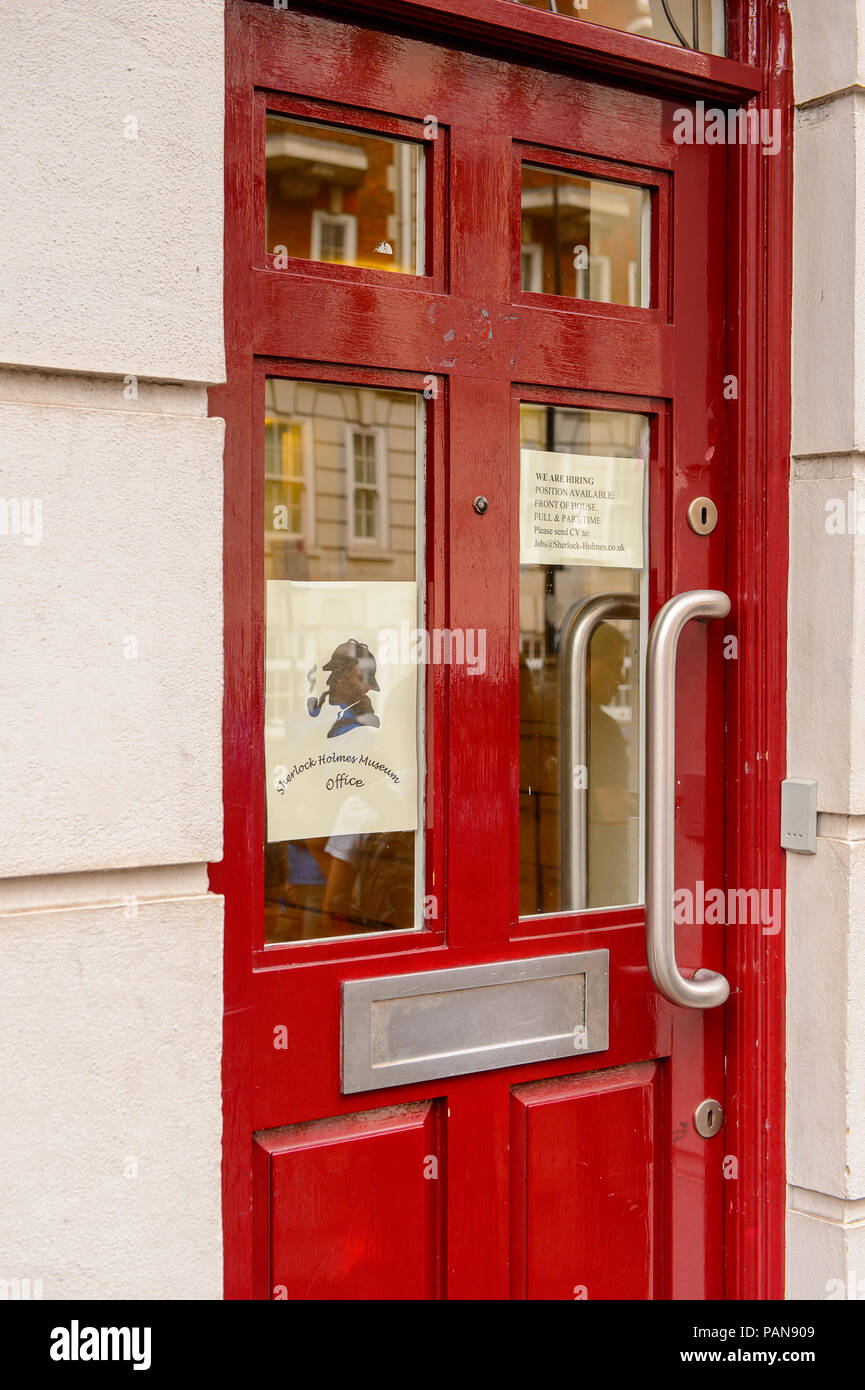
pixel 702 515
pixel 708 1118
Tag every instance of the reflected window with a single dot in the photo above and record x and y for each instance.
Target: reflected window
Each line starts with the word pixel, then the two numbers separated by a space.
pixel 368 484
pixel 342 196
pixel 532 262
pixel 586 238
pixel 288 477
pixel 334 238
pixel 697 24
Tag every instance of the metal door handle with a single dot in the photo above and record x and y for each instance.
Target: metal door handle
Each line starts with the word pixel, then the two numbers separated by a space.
pixel 706 989
pixel 578 627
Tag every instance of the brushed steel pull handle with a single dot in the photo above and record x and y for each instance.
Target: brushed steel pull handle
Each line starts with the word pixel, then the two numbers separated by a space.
pixel 706 989
pixel 576 632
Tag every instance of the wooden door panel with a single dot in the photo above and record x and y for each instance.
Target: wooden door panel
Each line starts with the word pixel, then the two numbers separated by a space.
pixel 588 1186
pixel 480 337
pixel 298 1071
pixel 367 68
pixel 355 1206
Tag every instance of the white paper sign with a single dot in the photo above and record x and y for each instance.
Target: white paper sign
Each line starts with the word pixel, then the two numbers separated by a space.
pixel 576 509
pixel 340 709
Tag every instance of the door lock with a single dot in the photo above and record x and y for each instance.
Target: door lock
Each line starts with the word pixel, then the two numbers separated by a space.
pixel 702 516
pixel 708 1118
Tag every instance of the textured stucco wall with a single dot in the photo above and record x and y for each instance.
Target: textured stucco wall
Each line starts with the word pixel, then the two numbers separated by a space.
pixel 111 158
pixel 826 666
pixel 112 621
pixel 108 1185
pixel 111 679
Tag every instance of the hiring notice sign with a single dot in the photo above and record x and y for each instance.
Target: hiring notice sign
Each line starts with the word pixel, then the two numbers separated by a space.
pixel 577 509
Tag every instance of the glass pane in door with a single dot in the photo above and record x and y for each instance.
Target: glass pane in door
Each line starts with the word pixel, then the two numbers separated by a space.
pixel 698 24
pixel 344 565
pixel 343 196
pixel 583 576
pixel 586 238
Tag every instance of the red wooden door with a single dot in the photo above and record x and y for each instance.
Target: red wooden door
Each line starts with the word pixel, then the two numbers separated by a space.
pixel 445 272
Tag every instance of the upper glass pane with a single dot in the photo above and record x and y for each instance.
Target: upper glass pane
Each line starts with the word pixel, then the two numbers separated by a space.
pixel 342 196
pixel 585 238
pixel 697 24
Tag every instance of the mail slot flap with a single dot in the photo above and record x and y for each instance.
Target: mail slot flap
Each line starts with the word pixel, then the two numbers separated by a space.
pixel 404 1028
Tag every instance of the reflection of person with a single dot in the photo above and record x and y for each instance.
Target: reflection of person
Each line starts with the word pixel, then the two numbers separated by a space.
pixel 294 889
pixel 352 675
pixel 339 886
pixel 611 803
pixel 370 881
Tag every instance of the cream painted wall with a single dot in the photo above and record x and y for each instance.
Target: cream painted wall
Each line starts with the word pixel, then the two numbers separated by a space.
pixel 112 624
pixel 110 1030
pixel 111 215
pixel 111 161
pixel 826 663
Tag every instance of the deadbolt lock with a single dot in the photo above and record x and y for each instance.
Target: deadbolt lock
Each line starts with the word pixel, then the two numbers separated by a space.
pixel 702 516
pixel 708 1118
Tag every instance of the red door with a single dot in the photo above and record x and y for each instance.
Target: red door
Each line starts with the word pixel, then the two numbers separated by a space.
pixel 476 322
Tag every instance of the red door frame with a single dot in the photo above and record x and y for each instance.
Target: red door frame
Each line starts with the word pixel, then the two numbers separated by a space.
pixel 759 275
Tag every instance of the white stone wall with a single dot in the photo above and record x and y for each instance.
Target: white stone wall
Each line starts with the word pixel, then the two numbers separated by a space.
pixel 111 164
pixel 826 669
pixel 111 215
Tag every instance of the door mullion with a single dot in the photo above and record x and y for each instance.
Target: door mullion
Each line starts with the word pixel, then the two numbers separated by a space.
pixel 478 1132
pixel 479 700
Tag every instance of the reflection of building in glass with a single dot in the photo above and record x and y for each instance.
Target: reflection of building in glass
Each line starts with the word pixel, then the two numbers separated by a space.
pixel 547 592
pixel 341 469
pixel 668 21
pixel 583 237
pixel 344 197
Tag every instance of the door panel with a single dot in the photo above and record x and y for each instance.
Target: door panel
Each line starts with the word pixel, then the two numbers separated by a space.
pixel 355 1206
pixel 342 1205
pixel 606 1188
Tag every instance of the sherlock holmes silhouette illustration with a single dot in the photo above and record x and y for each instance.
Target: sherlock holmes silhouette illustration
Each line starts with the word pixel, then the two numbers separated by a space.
pixel 352 674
